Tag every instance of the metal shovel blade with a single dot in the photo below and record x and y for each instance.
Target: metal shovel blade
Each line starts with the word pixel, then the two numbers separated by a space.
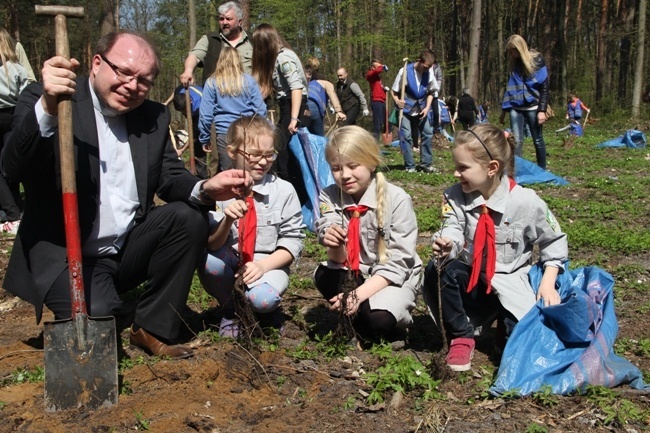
pixel 80 363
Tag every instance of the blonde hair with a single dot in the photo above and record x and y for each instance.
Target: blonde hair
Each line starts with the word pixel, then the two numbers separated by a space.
pixel 527 58
pixel 245 132
pixel 7 50
pixel 356 144
pixel 229 73
pixel 267 43
pixel 497 146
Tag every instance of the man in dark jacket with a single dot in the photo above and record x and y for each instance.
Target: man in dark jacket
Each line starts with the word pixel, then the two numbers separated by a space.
pixel 123 156
pixel 351 97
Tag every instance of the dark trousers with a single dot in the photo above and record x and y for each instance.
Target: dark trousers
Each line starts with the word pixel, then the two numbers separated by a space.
pixel 436 114
pixel 164 251
pixel 378 117
pixel 10 200
pixel 368 323
pixel 457 305
pixel 351 115
pixel 287 166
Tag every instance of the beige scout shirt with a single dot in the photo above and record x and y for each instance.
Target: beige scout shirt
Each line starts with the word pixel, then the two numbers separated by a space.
pixel 522 220
pixel 403 266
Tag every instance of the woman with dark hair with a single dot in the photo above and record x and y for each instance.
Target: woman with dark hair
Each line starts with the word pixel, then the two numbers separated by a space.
pixel 278 71
pixel 526 95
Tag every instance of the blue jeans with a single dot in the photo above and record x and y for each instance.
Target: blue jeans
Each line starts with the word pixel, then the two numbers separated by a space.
pixel 406 140
pixel 517 120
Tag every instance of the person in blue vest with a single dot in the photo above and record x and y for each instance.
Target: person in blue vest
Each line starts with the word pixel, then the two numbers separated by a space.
pixel 526 96
pixel 320 93
pixel 575 107
pixel 196 92
pixel 416 104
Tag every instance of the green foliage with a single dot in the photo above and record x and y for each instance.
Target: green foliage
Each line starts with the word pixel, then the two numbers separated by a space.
pixel 618 411
pixel 401 373
pixel 141 421
pixel 536 428
pixel 382 350
pixel 2 405
pixel 546 397
pixel 327 346
pixel 126 387
pixel 350 403
pixel 198 295
pixel 625 346
pixel 23 375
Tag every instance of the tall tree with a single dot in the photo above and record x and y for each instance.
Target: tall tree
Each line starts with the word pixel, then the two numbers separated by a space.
pixel 474 40
pixel 638 70
pixel 600 68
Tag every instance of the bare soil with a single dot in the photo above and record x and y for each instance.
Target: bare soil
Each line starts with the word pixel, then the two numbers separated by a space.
pixel 225 388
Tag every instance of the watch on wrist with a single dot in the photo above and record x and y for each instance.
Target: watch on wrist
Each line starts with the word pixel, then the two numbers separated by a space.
pixel 204 195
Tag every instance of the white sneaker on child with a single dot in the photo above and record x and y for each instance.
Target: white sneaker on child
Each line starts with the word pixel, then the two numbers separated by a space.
pixel 10 227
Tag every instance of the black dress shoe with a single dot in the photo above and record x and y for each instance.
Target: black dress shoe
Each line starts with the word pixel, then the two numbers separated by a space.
pixel 153 346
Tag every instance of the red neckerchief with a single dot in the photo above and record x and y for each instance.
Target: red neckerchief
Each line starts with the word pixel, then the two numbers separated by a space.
pixel 484 238
pixel 354 243
pixel 247 232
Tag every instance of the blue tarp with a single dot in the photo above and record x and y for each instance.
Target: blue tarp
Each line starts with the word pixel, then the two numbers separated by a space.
pixel 309 149
pixel 527 173
pixel 567 346
pixel 632 138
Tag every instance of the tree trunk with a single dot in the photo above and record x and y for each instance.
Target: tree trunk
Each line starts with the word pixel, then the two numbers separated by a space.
pixel 474 41
pixel 638 70
pixel 107 18
pixel 246 8
pixel 627 23
pixel 191 21
pixel 600 67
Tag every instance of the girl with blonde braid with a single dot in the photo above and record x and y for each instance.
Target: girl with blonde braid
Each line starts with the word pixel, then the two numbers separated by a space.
pixel 369 227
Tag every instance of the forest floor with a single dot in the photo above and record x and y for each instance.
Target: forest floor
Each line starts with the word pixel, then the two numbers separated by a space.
pixel 302 382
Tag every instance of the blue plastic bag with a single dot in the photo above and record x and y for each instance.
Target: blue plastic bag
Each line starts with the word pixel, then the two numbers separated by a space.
pixel 527 173
pixel 309 149
pixel 568 346
pixel 632 138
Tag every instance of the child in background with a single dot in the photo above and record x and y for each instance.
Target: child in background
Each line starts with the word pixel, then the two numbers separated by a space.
pixel 482 251
pixel 262 231
pixel 575 107
pixel 227 95
pixel 370 228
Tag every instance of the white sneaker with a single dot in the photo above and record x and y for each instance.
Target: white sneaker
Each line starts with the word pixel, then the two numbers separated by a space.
pixel 10 227
pixel 410 170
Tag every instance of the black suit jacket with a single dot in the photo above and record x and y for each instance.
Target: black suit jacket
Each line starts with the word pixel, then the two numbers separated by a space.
pixel 39 254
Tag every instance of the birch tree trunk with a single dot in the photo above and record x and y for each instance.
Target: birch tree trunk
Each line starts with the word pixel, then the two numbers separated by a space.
pixel 191 21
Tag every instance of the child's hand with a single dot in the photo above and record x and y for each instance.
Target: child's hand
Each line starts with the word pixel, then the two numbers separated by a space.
pixel 442 247
pixel 549 294
pixel 252 272
pixel 236 209
pixel 206 147
pixel 352 303
pixel 334 236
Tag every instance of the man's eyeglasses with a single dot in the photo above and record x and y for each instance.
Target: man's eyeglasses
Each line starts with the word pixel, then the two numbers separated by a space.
pixel 254 158
pixel 125 78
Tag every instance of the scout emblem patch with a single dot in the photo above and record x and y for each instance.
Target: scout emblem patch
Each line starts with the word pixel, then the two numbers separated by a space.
pixel 324 208
pixel 550 219
pixel 286 68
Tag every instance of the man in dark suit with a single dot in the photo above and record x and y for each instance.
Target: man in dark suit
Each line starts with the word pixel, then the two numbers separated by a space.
pixel 123 157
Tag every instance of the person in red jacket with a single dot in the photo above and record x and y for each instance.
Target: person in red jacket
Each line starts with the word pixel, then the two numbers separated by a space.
pixel 377 96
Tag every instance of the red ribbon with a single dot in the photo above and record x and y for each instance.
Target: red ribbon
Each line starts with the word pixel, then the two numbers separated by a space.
pixel 247 232
pixel 484 239
pixel 354 243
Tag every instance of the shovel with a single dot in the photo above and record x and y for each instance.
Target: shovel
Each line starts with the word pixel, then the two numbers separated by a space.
pixel 81 352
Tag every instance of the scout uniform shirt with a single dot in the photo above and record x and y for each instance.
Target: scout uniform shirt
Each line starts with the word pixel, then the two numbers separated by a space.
pixel 288 74
pixel 521 220
pixel 403 266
